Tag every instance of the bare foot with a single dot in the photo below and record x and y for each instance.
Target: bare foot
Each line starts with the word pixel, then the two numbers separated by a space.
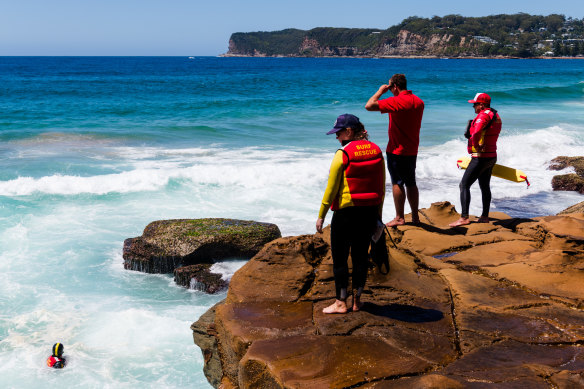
pixel 398 221
pixel 357 304
pixel 460 222
pixel 483 219
pixel 337 307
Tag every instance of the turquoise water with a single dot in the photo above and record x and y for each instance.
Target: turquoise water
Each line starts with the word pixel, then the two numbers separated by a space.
pixel 93 149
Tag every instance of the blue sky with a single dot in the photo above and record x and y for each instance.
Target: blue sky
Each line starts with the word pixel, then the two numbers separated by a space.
pixel 195 27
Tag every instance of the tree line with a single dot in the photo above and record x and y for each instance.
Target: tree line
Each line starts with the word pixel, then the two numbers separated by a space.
pixel 520 35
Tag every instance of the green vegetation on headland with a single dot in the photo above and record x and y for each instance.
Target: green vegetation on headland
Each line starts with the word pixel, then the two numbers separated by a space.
pixel 519 35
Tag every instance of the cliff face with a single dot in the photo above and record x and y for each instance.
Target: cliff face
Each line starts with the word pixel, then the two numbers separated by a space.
pixel 494 304
pixel 311 48
pixel 410 44
pixel 405 43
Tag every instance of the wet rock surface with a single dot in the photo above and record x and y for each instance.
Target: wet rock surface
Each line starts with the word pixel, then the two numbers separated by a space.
pixel 498 304
pixel 204 336
pixel 168 244
pixel 571 181
pixel 560 163
pixel 199 277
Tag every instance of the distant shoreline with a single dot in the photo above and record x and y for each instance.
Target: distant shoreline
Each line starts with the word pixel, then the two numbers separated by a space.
pixel 389 57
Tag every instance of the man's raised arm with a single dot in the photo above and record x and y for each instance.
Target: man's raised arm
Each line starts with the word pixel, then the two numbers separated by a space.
pixel 372 104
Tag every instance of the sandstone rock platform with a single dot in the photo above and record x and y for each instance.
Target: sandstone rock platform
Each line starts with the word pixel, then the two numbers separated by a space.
pixel 498 304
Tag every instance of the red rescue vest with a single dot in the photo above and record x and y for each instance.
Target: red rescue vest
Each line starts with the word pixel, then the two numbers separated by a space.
pixel 56 362
pixel 364 171
pixel 487 138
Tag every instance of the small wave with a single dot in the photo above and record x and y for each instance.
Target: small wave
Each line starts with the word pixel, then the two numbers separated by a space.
pixel 542 93
pixel 228 268
pixel 56 138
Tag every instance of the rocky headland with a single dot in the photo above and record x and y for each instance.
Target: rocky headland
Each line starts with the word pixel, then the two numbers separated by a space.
pixel 453 36
pixel 499 304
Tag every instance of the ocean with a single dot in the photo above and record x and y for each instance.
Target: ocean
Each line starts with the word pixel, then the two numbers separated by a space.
pixel 92 149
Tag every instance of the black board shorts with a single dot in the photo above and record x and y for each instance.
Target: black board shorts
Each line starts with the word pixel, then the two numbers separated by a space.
pixel 402 169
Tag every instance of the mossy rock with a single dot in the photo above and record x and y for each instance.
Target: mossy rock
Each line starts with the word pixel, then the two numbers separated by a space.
pixel 572 181
pixel 168 244
pixel 568 182
pixel 561 162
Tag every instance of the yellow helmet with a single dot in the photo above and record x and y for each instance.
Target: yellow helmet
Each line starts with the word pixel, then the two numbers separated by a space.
pixel 58 349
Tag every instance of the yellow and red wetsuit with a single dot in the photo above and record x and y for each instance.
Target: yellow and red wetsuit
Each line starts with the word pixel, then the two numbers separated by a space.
pixel 355 191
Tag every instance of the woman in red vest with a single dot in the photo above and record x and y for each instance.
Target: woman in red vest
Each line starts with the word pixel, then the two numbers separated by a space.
pixel 482 136
pixel 355 192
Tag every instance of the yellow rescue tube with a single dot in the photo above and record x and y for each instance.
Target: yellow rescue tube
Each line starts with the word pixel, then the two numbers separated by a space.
pixel 500 171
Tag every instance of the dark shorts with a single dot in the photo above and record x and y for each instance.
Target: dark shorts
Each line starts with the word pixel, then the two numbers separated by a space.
pixel 402 169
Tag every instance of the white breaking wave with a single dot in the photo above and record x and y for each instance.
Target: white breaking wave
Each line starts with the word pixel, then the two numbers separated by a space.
pixel 286 184
pixel 248 168
pixel 227 268
pixel 132 181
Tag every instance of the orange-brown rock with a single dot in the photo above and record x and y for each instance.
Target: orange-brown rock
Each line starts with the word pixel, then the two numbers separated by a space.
pixel 574 209
pixel 498 304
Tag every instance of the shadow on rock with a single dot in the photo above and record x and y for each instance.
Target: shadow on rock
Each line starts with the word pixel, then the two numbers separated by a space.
pixel 442 231
pixel 512 224
pixel 401 312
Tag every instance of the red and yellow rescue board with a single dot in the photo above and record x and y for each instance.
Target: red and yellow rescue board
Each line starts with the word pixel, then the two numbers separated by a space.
pixel 500 171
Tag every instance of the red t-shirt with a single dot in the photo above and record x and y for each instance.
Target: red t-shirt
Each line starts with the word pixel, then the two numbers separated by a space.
pixel 405 119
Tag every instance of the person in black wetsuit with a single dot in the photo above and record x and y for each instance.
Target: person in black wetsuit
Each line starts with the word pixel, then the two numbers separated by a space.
pixel 482 136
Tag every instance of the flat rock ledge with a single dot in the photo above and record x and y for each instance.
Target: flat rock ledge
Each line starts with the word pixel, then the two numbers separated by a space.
pixel 496 304
pixel 169 245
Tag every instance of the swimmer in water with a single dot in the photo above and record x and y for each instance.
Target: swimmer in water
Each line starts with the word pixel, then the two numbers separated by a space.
pixel 57 360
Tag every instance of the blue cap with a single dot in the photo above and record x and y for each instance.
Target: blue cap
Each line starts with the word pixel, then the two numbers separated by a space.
pixel 344 121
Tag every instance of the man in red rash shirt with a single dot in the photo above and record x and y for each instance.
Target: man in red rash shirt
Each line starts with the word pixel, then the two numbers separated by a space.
pixel 405 120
